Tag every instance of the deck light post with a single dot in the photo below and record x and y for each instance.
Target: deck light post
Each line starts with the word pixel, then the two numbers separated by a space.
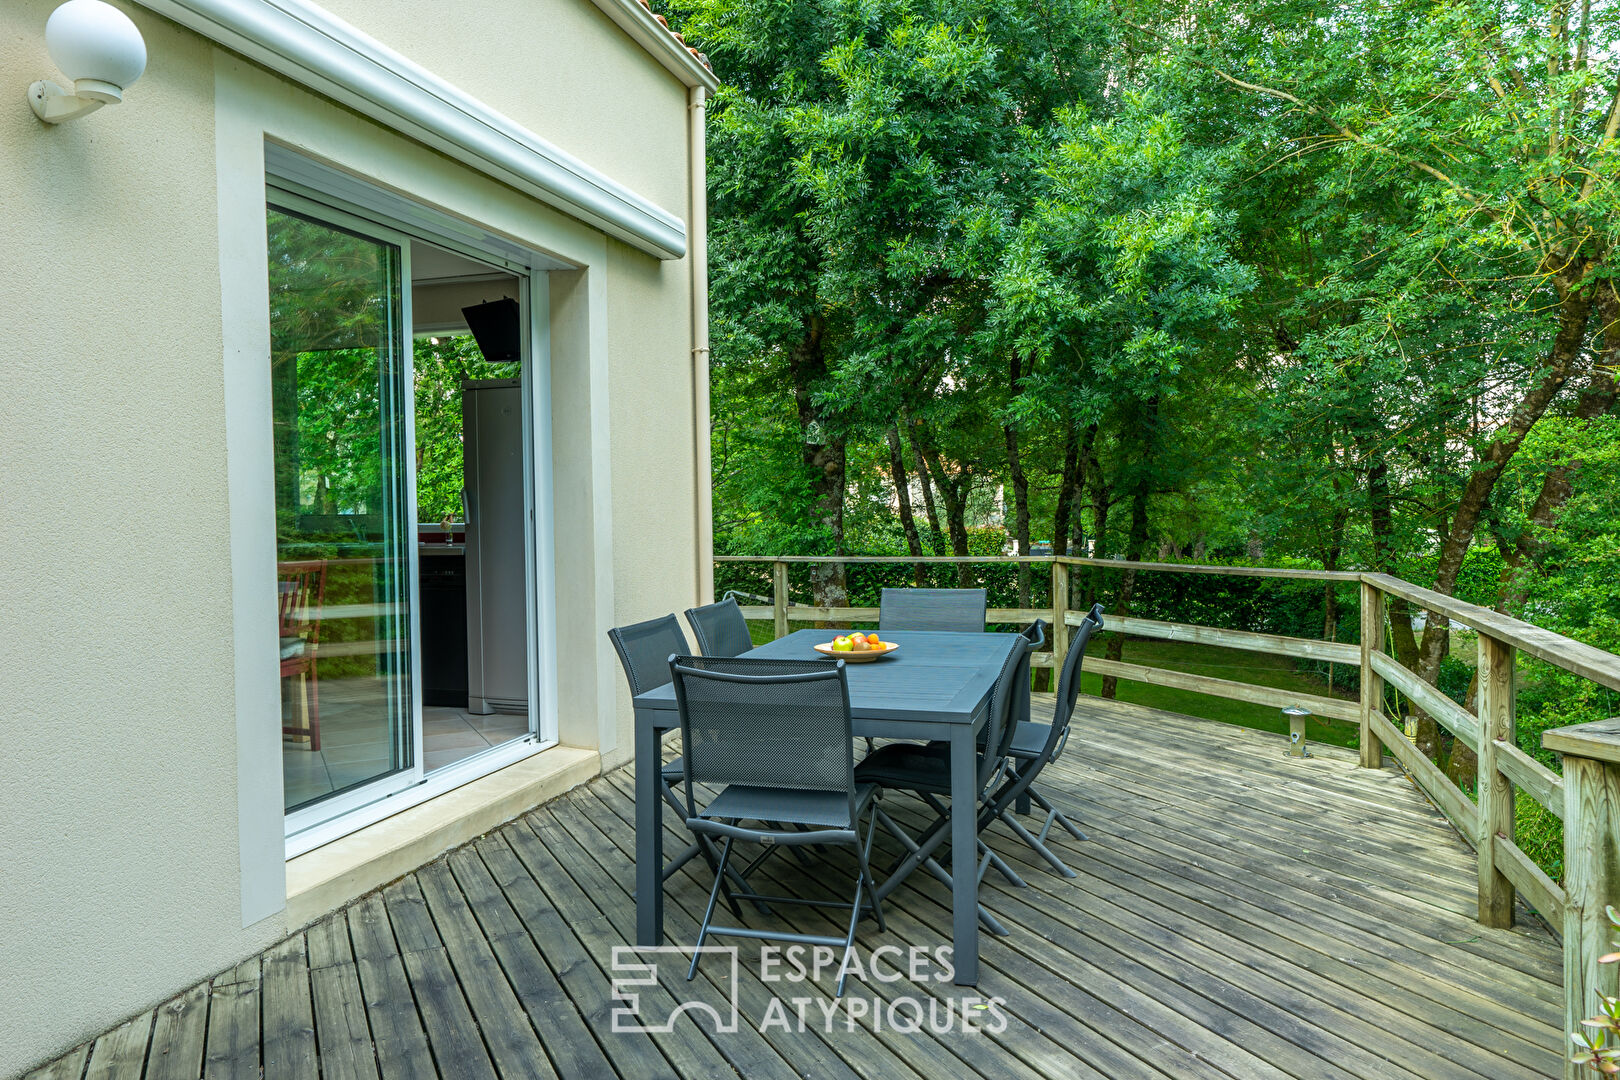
pixel 99 49
pixel 1296 730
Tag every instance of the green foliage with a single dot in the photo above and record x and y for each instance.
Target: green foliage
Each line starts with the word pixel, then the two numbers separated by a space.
pixel 440 366
pixel 1250 282
pixel 1597 1045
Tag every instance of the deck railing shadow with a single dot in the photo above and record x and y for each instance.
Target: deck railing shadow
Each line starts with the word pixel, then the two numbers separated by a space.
pixel 1586 797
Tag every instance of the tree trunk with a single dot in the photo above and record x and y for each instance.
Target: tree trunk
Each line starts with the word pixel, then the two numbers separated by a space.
pixel 823 454
pixel 954 490
pixel 936 537
pixel 1102 501
pixel 1597 397
pixel 902 493
pixel 1381 519
pixel 1087 466
pixel 1068 488
pixel 1330 594
pixel 1020 486
pixel 1463 764
pixel 1575 306
pixel 1134 547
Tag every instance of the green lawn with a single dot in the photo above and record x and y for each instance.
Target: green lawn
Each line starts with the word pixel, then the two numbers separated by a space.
pixel 1261 669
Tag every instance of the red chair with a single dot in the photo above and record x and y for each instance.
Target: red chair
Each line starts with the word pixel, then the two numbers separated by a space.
pixel 300 589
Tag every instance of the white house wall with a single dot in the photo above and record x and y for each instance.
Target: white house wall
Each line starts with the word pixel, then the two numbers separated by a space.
pixel 140 788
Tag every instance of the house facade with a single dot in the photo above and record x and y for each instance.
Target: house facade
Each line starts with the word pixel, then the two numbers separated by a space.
pixel 355 384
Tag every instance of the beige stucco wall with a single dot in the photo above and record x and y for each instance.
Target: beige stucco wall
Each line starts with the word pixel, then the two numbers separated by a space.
pixel 560 68
pixel 118 823
pixel 654 570
pixel 120 873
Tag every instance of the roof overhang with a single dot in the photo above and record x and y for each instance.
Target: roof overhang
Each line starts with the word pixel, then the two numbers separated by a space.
pixel 308 45
pixel 644 28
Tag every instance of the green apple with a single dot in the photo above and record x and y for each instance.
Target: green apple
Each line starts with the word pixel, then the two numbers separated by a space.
pixel 842 644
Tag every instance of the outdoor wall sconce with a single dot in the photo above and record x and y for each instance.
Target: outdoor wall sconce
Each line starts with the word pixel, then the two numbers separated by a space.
pixel 99 49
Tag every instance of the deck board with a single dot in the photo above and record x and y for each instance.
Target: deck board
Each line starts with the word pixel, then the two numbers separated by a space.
pixel 1236 914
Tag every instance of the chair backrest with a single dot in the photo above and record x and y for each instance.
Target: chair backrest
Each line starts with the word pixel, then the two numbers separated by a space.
pixel 720 628
pixel 1003 721
pixel 1062 714
pixel 957 610
pixel 1068 688
pixel 1036 633
pixel 764 723
pixel 300 591
pixel 645 648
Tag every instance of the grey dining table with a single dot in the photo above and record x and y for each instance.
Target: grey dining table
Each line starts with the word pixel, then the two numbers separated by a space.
pixel 935 686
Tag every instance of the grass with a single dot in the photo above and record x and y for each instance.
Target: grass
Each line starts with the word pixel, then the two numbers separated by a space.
pixel 1260 669
pixel 1538 832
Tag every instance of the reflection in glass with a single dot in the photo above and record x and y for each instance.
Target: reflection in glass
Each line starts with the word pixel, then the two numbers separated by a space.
pixel 342 510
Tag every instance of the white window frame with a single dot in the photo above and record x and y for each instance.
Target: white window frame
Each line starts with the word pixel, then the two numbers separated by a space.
pixel 325 194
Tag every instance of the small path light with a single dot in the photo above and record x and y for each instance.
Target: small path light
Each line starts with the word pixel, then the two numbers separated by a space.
pixel 1296 730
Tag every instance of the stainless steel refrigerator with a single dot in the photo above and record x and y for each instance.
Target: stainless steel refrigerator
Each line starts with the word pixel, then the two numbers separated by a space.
pixel 497 612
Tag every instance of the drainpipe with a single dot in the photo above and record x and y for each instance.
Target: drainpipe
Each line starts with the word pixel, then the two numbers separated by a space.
pixel 698 253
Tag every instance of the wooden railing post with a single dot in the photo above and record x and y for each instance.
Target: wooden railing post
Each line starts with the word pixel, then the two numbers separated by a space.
pixel 779 596
pixel 1496 725
pixel 1591 866
pixel 1060 613
pixel 1372 683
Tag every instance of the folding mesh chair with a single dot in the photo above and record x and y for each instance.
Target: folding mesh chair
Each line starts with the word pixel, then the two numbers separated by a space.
pixel 1036 633
pixel 1035 746
pixel 720 628
pixel 777 735
pixel 926 772
pixel 644 650
pixel 957 610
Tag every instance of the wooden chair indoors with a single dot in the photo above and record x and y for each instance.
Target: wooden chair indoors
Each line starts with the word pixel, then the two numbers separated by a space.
pixel 300 590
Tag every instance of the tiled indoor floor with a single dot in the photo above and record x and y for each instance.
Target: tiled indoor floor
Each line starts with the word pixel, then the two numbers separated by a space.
pixel 355 739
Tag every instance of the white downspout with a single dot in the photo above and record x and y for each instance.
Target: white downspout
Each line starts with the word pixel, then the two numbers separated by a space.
pixel 698 254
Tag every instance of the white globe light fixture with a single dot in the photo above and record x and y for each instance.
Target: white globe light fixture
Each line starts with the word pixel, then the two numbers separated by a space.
pixel 99 49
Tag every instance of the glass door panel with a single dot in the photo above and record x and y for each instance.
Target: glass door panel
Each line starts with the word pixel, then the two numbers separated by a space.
pixel 343 508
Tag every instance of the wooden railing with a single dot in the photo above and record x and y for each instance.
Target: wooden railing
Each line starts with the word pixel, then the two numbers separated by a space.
pixel 1586 797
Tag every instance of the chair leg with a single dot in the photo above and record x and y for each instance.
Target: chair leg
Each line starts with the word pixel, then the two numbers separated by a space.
pixel 303 703
pixel 1054 814
pixel 994 860
pixel 865 854
pixel 1040 847
pixel 691 852
pixel 863 880
pixel 920 856
pixel 314 708
pixel 708 912
pixel 710 856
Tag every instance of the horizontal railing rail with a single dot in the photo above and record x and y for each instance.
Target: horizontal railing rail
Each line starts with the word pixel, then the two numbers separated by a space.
pixel 1586 797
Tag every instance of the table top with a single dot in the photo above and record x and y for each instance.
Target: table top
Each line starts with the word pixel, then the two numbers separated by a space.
pixel 940 677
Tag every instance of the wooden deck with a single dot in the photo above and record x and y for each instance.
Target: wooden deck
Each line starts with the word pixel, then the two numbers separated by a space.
pixel 1237 914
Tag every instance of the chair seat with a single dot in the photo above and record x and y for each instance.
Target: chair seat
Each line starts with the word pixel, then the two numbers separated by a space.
pixel 1029 740
pixel 788 806
pixel 673 771
pixel 908 766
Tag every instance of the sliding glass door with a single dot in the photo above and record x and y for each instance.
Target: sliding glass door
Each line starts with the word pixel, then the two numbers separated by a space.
pixel 345 534
pixel 405 399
